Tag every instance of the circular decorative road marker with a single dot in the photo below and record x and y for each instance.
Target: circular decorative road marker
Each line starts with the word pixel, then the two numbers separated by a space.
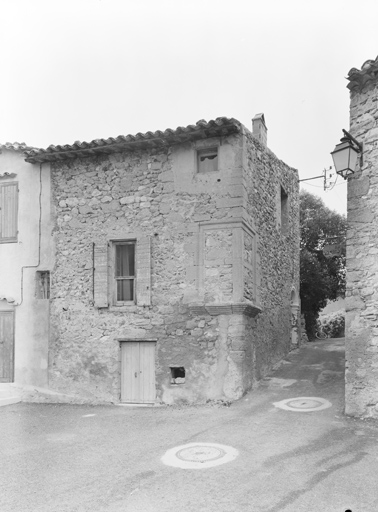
pixel 199 455
pixel 303 404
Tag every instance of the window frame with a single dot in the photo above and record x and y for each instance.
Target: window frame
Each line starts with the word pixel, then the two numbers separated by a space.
pixel 115 279
pixel 11 239
pixel 207 151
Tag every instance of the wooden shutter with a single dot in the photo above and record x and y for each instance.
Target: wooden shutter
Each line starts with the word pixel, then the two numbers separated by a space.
pixel 8 212
pixel 143 271
pixel 6 346
pixel 100 275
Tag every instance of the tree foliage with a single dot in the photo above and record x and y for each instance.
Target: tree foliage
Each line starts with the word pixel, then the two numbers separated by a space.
pixel 322 264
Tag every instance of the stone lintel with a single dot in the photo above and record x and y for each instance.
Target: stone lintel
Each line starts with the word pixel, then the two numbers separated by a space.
pixel 235 308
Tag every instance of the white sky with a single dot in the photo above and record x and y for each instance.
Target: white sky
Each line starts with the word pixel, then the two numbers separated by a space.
pixel 85 69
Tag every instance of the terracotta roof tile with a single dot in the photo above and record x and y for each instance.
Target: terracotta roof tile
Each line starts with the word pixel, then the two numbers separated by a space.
pixel 17 146
pixel 202 129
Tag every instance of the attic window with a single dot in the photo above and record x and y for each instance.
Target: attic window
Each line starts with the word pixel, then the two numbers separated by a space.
pixel 177 375
pixel 207 160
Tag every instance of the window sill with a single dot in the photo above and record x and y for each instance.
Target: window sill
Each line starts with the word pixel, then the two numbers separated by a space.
pixel 129 308
pixel 8 241
pixel 123 307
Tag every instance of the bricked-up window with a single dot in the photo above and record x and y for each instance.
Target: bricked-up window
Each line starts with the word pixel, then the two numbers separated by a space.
pixel 124 272
pixel 43 284
pixel 207 160
pixel 8 212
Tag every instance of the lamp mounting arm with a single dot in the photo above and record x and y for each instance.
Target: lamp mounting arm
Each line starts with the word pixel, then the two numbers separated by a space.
pixel 350 137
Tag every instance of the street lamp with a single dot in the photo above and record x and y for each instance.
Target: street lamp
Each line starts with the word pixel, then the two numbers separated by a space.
pixel 345 155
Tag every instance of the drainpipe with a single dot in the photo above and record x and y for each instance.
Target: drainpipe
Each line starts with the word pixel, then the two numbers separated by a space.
pixel 39 237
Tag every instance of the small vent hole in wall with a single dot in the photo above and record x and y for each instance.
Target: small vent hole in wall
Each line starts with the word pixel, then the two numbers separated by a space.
pixel 43 284
pixel 177 375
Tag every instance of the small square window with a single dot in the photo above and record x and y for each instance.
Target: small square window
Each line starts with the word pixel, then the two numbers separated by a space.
pixel 177 375
pixel 43 284
pixel 207 160
pixel 124 272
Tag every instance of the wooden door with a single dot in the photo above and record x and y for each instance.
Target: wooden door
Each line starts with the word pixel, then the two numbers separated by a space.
pixel 138 371
pixel 6 346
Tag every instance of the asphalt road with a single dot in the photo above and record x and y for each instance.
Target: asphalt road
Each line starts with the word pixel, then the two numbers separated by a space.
pixel 81 458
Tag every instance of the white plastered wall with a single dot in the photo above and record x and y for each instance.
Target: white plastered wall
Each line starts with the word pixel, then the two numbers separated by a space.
pixel 19 262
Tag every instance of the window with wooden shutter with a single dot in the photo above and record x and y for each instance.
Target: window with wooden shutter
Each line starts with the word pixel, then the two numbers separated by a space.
pixel 124 272
pixel 130 272
pixel 8 212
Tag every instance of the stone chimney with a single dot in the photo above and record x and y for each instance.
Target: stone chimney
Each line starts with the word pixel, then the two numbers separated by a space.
pixel 259 129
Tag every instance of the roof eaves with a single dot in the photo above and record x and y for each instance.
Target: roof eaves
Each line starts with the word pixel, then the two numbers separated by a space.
pixel 201 130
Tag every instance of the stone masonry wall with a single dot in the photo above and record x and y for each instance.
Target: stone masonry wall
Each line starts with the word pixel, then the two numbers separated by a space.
pixel 277 252
pixel 127 195
pixel 362 261
pixel 199 255
pixel 249 263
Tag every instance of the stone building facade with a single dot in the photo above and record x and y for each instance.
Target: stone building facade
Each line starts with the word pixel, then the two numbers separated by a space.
pixel 362 249
pixel 177 264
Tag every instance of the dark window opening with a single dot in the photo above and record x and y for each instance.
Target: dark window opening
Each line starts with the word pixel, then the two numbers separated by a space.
pixel 43 284
pixel 284 211
pixel 207 160
pixel 177 375
pixel 125 271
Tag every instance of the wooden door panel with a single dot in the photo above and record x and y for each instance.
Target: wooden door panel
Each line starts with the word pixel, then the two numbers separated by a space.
pixel 147 371
pixel 6 346
pixel 138 371
pixel 130 372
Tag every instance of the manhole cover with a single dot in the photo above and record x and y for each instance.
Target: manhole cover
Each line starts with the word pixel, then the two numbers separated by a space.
pixel 303 404
pixel 199 455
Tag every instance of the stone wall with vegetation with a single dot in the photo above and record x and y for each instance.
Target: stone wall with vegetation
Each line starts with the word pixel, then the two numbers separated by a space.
pixel 194 224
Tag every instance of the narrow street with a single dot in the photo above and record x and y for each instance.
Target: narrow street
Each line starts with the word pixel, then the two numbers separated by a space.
pixel 108 458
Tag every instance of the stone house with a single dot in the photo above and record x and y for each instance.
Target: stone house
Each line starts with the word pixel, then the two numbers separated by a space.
pixel 176 270
pixel 26 259
pixel 361 392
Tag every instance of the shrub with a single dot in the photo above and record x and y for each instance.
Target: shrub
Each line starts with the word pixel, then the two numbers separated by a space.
pixel 333 324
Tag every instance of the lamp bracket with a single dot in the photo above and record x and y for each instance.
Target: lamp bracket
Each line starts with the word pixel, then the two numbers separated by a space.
pixel 350 137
